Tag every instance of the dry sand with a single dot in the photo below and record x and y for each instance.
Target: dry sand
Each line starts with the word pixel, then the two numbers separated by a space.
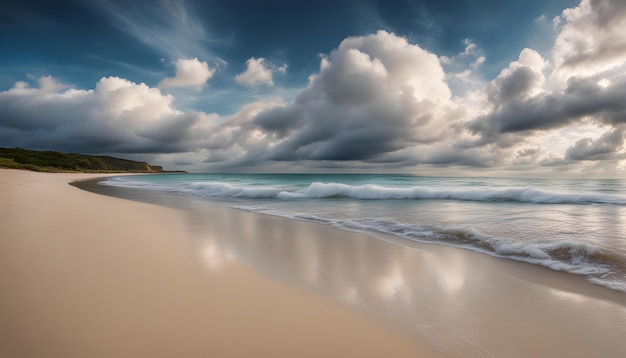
pixel 84 275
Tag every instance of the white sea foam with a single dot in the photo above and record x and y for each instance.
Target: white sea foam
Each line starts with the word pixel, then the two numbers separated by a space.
pixel 229 190
pixel 571 253
pixel 376 192
pixel 319 190
pixel 574 257
pixel 612 284
pixel 205 189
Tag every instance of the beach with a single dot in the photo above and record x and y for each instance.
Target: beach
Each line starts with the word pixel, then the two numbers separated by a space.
pixel 91 275
pixel 84 275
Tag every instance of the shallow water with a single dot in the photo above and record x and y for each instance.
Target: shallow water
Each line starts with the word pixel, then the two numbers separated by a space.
pixel 576 226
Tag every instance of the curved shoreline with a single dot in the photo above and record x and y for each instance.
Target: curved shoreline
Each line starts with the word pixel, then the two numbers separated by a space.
pixel 449 297
pixel 576 283
pixel 84 275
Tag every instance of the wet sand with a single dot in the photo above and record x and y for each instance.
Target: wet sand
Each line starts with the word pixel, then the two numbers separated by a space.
pixel 85 275
pixel 462 303
pixel 102 276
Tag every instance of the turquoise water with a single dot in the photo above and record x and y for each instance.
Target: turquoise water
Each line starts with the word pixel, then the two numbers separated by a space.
pixel 577 226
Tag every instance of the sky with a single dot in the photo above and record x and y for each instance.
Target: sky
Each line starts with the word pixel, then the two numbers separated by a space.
pixel 528 88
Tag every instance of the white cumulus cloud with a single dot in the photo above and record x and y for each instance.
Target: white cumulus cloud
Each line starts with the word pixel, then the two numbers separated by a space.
pixel 259 71
pixel 117 116
pixel 189 73
pixel 377 102
pixel 591 38
pixel 373 95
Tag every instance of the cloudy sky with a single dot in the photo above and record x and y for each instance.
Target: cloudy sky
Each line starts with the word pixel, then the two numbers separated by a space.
pixel 441 87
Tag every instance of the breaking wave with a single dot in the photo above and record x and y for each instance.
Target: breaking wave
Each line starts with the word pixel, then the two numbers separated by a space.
pixel 573 254
pixel 319 190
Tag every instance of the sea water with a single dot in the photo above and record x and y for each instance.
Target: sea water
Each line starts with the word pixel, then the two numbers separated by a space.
pixel 576 226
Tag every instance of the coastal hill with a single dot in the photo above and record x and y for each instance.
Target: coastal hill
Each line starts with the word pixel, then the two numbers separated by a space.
pixel 49 161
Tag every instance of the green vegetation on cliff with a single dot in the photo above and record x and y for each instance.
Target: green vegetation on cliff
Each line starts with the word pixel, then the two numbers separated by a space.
pixel 47 161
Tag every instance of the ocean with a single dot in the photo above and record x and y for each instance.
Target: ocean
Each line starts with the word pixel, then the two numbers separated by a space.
pixel 575 226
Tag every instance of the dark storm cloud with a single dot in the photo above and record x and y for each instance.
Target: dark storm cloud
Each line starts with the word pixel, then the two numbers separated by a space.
pixel 451 157
pixel 582 99
pixel 280 120
pixel 514 86
pixel 602 148
pixel 26 114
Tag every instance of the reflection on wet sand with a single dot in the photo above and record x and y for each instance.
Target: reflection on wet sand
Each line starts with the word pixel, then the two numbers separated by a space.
pixel 464 303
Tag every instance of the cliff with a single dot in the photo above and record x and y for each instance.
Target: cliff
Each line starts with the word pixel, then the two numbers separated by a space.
pixel 49 161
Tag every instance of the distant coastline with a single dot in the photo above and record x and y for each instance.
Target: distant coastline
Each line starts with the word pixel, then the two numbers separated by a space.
pixel 58 162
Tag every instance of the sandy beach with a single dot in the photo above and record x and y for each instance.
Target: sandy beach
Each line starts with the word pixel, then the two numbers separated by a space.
pixel 85 275
pixel 91 275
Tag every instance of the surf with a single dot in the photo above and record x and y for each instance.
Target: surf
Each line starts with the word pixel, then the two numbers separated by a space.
pixel 320 190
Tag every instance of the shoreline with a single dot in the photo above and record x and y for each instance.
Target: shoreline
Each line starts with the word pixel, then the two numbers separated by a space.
pixel 86 275
pixel 417 300
pixel 461 302
pixel 575 283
